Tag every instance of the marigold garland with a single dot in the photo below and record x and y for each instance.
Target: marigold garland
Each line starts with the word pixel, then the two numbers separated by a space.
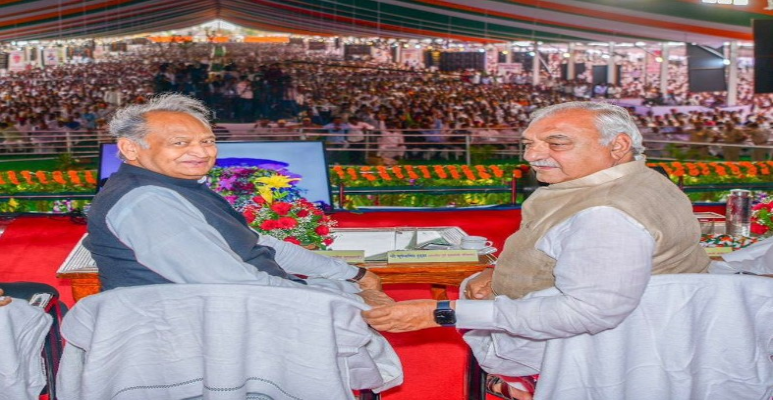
pixel 411 173
pixel 382 172
pixel 440 172
pixel 425 171
pixel 482 172
pixel 398 172
pixel 41 177
pixel 452 170
pixel 27 177
pixel 468 173
pixel 58 177
pixel 74 178
pixel 339 170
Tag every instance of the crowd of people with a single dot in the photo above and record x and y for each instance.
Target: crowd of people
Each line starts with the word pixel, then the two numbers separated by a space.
pixel 407 111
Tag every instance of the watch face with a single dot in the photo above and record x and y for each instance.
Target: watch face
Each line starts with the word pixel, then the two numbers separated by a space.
pixel 445 317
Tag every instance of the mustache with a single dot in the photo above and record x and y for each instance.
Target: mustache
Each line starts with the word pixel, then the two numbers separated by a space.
pixel 543 164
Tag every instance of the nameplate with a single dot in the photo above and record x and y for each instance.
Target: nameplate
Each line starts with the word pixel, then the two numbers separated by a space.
pixel 431 256
pixel 718 251
pixel 350 256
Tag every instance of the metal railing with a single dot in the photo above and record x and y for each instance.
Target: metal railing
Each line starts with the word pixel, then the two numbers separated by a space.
pixel 468 145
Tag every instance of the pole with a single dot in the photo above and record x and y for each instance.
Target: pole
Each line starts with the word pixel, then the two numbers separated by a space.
pixel 732 76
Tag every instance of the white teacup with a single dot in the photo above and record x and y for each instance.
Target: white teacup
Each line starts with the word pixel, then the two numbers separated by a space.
pixel 475 243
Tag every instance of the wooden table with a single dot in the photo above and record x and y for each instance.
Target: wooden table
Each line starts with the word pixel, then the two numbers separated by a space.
pixel 84 276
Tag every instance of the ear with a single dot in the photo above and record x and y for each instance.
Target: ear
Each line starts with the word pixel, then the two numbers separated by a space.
pixel 621 145
pixel 128 148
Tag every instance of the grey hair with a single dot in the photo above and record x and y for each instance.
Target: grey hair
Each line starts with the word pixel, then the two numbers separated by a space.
pixel 610 120
pixel 130 122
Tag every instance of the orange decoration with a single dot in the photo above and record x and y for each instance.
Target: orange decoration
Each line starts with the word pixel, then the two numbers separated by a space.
pixel 468 173
pixel 339 170
pixel 90 178
pixel 411 173
pixel 517 173
pixel 425 171
pixel 74 178
pixel 353 173
pixel 497 171
pixel 13 178
pixel 41 177
pixel 398 172
pixel 482 172
pixel 382 171
pixel 27 177
pixel 58 177
pixel 440 172
pixel 454 171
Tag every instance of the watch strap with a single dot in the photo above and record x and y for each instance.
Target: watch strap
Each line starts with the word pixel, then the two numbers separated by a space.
pixel 360 274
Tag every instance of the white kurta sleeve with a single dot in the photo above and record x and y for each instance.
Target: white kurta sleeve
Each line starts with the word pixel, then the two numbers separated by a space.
pixel 604 262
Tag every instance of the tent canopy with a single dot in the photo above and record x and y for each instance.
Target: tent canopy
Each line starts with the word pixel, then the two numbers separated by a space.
pixel 479 20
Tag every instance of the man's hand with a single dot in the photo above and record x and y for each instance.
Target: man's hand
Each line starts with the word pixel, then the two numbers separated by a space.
pixel 370 281
pixel 404 316
pixel 376 298
pixel 4 300
pixel 479 288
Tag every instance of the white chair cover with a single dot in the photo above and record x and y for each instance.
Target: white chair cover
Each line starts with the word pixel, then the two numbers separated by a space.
pixel 23 329
pixel 694 336
pixel 181 341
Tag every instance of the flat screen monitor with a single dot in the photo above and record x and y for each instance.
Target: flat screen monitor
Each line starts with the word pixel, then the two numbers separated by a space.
pixel 302 159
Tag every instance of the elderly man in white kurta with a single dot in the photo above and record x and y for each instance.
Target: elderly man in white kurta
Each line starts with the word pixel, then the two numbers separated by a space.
pixel 597 233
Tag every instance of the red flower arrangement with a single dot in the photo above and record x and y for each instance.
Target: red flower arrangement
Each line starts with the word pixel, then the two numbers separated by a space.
pixel 300 222
pixel 762 217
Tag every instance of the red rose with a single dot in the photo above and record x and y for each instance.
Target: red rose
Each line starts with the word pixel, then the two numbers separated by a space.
pixel 758 229
pixel 287 223
pixel 318 212
pixel 281 208
pixel 269 225
pixel 322 230
pixel 302 213
pixel 249 215
pixel 259 200
pixel 292 239
pixel 327 241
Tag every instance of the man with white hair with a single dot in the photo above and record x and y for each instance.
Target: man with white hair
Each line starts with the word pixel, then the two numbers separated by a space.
pixel 597 232
pixel 156 221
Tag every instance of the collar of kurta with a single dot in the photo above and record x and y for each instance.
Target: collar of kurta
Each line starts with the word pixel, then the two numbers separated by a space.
pixel 601 177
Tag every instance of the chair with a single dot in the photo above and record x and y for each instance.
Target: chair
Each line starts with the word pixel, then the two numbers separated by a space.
pixel 212 342
pixel 694 336
pixel 52 344
pixel 23 329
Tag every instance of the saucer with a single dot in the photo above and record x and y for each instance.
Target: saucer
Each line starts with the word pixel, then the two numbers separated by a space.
pixel 481 252
pixel 487 250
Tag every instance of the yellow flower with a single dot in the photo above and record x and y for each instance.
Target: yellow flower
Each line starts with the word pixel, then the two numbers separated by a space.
pixel 269 183
pixel 276 181
pixel 12 204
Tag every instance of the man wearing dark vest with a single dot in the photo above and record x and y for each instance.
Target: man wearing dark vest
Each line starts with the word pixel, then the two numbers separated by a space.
pixel 597 232
pixel 157 221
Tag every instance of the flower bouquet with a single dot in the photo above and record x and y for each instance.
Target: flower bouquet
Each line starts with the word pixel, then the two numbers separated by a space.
pixel 762 216
pixel 279 209
pixel 298 221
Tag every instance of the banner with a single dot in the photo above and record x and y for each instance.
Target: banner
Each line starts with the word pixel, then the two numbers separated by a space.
pixel 512 68
pixel 16 60
pixel 50 57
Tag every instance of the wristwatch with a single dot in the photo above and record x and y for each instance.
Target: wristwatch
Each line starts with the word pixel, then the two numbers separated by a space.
pixel 360 274
pixel 444 314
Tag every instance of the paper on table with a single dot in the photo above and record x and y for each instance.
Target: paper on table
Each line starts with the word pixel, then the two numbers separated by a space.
pixel 377 243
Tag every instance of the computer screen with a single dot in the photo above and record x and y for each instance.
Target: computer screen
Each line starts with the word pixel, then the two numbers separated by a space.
pixel 305 160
